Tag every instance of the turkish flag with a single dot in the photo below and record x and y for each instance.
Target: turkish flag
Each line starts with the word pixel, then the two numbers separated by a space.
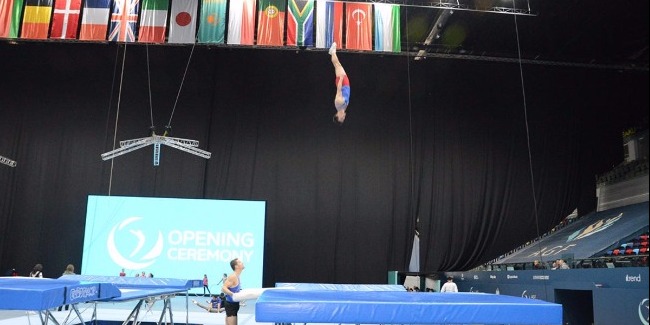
pixel 359 26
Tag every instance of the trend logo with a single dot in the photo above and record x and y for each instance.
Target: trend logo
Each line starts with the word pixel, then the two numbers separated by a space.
pixel 135 261
pixel 643 311
pixel 594 228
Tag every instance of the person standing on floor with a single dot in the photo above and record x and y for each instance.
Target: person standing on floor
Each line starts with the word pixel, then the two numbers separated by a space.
pixel 205 284
pixel 231 286
pixel 449 286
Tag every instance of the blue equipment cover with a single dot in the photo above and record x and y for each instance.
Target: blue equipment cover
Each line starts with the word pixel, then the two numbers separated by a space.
pixel 19 293
pixel 139 282
pixel 340 287
pixel 132 288
pixel 392 307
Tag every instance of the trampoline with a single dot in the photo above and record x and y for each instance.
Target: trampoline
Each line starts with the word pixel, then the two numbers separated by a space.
pixel 43 295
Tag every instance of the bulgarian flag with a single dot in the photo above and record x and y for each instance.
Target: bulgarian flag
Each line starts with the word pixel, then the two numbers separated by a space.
pixel 153 21
pixel 270 22
pixel 94 23
pixel 300 23
pixel 36 22
pixel 66 19
pixel 241 22
pixel 10 14
pixel 358 35
pixel 212 26
pixel 387 28
pixel 329 23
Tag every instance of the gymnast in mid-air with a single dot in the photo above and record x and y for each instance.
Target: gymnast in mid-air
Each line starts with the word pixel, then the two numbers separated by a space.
pixel 342 98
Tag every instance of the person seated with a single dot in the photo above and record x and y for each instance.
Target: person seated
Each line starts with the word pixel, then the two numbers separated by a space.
pixel 214 304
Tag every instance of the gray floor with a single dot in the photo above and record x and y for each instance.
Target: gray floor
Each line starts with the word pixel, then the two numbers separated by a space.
pixel 183 311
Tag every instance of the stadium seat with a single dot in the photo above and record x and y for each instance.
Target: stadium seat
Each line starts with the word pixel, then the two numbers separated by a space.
pixel 635 251
pixel 629 251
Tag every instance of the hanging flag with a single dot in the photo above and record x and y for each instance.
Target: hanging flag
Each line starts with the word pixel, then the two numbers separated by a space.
pixel 182 21
pixel 300 23
pixel 10 14
pixel 270 22
pixel 94 22
pixel 65 19
pixel 241 22
pixel 358 19
pixel 36 21
pixel 212 26
pixel 124 18
pixel 329 23
pixel 387 28
pixel 153 21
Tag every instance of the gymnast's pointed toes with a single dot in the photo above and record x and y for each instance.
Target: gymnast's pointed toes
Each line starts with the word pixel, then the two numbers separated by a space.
pixel 332 48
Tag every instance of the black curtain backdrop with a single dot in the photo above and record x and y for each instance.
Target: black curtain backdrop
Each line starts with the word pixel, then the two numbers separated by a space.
pixel 437 145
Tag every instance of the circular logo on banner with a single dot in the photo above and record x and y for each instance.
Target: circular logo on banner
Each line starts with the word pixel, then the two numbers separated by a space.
pixel 183 18
pixel 643 311
pixel 135 259
pixel 272 11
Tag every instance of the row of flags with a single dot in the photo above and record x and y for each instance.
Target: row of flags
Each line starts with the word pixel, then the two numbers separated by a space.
pixel 118 20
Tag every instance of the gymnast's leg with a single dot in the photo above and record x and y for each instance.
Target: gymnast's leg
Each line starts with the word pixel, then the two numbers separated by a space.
pixel 208 308
pixel 231 312
pixel 338 68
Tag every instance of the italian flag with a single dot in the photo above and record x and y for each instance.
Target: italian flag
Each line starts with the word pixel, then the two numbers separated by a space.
pixel 153 21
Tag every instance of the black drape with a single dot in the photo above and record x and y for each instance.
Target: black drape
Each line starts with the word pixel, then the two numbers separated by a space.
pixel 440 141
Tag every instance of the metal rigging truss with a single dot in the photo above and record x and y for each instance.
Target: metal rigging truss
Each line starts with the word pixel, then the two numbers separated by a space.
pixel 7 161
pixel 187 145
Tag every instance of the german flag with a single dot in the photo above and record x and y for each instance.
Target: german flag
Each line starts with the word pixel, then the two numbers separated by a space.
pixel 36 21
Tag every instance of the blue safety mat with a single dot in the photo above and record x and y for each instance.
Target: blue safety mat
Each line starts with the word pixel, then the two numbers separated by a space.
pixel 18 293
pixel 392 307
pixel 340 287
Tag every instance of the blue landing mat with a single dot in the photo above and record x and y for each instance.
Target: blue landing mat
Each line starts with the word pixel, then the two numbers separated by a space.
pixel 391 307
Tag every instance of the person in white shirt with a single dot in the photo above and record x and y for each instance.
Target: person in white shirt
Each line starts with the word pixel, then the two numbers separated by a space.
pixel 449 286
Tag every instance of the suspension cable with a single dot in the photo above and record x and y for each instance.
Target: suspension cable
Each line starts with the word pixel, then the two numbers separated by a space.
pixel 169 124
pixel 117 118
pixel 530 157
pixel 411 154
pixel 149 85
